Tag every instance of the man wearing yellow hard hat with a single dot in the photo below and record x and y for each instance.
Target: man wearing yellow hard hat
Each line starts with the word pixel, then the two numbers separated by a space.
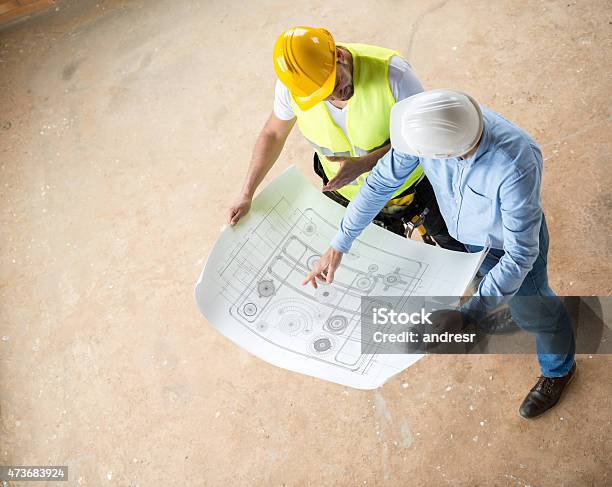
pixel 341 96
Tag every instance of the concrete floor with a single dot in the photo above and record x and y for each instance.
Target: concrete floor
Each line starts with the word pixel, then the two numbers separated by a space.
pixel 124 126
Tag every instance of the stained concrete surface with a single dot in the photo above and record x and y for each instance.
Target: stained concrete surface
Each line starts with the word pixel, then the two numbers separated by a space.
pixel 124 128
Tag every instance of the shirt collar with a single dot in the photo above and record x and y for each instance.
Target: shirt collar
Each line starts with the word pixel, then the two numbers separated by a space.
pixel 483 145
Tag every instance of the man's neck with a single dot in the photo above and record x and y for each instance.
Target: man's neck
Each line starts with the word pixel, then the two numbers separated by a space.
pixel 469 154
pixel 349 60
pixel 473 150
pixel 339 104
pixel 342 103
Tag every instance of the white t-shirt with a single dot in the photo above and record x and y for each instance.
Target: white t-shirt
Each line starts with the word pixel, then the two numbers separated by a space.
pixel 402 81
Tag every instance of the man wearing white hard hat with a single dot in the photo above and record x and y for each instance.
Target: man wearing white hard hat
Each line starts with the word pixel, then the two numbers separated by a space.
pixel 486 173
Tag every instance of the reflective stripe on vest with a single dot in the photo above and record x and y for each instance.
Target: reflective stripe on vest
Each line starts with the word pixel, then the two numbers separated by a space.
pixel 367 117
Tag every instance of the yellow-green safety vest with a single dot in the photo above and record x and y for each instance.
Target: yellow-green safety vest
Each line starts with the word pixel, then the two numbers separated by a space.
pixel 367 117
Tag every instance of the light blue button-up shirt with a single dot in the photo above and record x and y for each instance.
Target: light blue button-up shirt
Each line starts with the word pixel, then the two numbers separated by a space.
pixel 494 195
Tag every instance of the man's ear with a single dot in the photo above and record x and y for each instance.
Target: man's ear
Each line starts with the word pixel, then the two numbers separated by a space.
pixel 340 55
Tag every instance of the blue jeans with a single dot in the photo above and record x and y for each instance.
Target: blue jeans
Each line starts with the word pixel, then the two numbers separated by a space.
pixel 542 313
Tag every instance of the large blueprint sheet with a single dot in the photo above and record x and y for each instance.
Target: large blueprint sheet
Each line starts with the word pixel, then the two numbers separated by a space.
pixel 250 288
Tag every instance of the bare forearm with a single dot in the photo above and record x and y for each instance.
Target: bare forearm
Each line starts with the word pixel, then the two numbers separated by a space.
pixel 265 153
pixel 373 157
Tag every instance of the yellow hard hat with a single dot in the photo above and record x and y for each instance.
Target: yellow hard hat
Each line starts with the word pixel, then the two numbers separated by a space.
pixel 305 62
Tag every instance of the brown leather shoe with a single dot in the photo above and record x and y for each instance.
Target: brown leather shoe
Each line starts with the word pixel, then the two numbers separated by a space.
pixel 545 394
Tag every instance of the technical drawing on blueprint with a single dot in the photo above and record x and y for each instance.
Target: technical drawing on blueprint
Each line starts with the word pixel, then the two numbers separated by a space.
pixel 251 286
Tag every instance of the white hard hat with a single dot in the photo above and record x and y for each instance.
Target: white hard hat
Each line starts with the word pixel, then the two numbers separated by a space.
pixel 437 124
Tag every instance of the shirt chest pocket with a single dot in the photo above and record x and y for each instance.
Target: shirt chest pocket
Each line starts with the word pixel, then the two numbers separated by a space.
pixel 476 205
